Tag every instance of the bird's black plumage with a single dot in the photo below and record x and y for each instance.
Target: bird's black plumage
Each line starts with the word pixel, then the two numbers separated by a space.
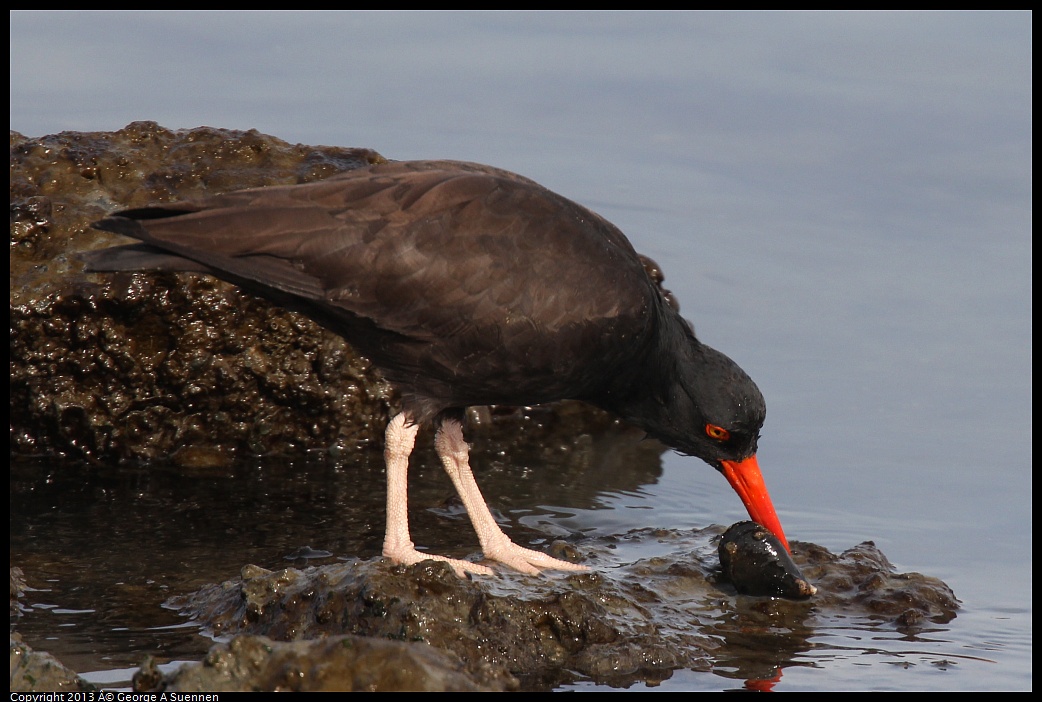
pixel 466 285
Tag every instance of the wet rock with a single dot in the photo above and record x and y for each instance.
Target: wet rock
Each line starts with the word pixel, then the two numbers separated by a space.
pixel 637 622
pixel 170 366
pixel 541 630
pixel 32 671
pixel 18 587
pixel 334 664
pixel 861 578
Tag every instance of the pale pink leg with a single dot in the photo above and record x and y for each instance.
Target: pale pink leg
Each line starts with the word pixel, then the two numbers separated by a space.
pixel 497 546
pixel 398 545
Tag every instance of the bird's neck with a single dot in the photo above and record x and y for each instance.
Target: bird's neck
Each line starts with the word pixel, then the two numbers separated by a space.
pixel 645 389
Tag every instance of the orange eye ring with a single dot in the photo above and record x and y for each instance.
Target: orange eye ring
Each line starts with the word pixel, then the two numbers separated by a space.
pixel 719 433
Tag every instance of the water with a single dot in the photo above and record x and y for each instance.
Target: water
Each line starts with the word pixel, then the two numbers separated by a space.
pixel 841 202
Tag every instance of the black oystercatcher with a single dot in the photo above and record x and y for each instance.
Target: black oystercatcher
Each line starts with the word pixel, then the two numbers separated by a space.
pixel 469 285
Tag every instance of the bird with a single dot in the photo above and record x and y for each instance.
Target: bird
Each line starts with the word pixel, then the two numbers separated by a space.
pixel 468 285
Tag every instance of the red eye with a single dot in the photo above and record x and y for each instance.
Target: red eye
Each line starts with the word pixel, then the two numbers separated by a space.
pixel 718 433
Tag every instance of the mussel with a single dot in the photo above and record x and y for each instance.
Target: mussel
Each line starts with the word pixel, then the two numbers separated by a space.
pixel 756 563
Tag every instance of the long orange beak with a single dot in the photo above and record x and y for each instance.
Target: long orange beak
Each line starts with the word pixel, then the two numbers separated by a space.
pixel 747 481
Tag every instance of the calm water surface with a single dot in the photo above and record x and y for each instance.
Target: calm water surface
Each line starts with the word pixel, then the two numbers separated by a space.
pixel 841 202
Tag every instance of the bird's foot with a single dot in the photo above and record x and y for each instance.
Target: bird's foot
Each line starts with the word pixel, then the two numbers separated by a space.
pixel 526 560
pixel 409 556
pixel 521 559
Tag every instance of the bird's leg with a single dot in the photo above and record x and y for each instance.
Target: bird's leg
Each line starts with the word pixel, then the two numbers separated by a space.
pixel 398 443
pixel 497 546
pixel 398 546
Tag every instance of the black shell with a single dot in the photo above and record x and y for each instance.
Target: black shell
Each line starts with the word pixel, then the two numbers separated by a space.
pixel 756 563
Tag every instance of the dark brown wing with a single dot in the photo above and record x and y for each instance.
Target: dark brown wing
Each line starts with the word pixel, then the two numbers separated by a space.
pixel 474 284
